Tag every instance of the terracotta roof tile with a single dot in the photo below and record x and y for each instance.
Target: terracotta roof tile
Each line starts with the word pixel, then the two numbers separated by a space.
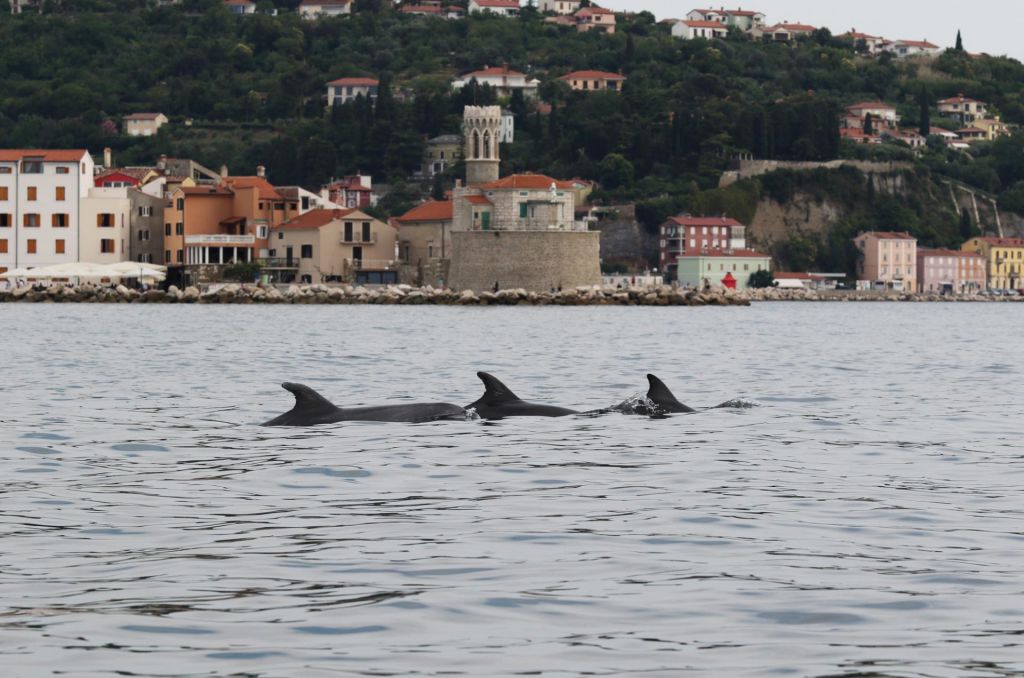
pixel 354 82
pixel 266 190
pixel 314 219
pixel 527 182
pixel 434 210
pixel 14 155
pixel 592 75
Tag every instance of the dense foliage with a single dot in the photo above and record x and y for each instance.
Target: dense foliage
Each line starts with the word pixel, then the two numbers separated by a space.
pixel 244 91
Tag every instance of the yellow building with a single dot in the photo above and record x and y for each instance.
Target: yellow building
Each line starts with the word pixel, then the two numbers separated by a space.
pixel 993 128
pixel 1004 261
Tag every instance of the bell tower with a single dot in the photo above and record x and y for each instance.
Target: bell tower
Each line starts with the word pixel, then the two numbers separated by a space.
pixel 481 127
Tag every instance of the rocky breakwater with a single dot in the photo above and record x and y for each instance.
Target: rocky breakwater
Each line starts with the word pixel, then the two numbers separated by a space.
pixel 391 295
pixel 775 294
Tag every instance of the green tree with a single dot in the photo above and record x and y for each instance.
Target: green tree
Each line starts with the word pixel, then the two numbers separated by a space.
pixel 615 172
pixel 761 279
pixel 959 42
pixel 925 113
pixel 869 124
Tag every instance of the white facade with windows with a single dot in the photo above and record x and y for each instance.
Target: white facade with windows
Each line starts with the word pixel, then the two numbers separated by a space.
pixel 41 194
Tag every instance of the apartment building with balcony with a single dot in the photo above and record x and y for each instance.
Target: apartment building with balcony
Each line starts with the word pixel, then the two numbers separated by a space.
pixel 950 271
pixel 1004 260
pixel 209 227
pixel 41 198
pixel 333 245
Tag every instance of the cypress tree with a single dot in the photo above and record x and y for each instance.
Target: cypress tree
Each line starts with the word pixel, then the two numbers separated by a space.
pixel 959 42
pixel 925 117
pixel 869 124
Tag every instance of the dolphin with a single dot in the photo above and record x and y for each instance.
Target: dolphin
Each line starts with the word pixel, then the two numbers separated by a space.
pixel 499 402
pixel 659 402
pixel 312 409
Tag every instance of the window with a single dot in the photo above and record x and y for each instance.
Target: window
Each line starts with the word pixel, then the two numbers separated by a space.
pixel 105 220
pixel 30 221
pixel 145 211
pixel 279 206
pixel 280 235
pixel 307 251
pixel 262 231
pixel 61 192
pixel 107 246
pixel 167 256
pixel 366 232
pixel 5 220
pixel 3 193
pixel 60 220
pixel 30 246
pixel 58 247
pixel 180 256
pixel 348 231
pixel 179 228
pixel 32 192
pixel 181 204
pixel 3 246
pixel 523 207
pixel 63 170
pixel 32 166
pixel 5 170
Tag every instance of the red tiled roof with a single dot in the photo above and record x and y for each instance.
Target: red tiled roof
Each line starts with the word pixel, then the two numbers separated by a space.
pixel 960 99
pixel 947 253
pixel 506 4
pixel 317 3
pixel 142 116
pixel 527 182
pixel 592 75
pixel 494 70
pixel 860 36
pixel 741 12
pixel 793 28
pixel 888 235
pixel 1003 242
pixel 14 155
pixel 266 189
pixel 354 82
pixel 420 9
pixel 477 200
pixel 871 104
pixel 314 219
pixel 434 210
pixel 239 2
pixel 204 190
pixel 924 44
pixel 704 221
pixel 593 10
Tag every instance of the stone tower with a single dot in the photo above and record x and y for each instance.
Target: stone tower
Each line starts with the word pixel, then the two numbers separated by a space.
pixel 481 130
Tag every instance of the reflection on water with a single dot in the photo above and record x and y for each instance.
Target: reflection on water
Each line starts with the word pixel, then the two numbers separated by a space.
pixel 864 520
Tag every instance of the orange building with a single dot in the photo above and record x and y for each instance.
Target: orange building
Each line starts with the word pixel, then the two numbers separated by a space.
pixel 209 227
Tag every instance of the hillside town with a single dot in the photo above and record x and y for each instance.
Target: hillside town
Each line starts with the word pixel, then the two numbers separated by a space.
pixel 185 224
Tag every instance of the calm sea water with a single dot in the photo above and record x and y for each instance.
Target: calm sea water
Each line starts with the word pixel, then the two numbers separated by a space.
pixel 865 519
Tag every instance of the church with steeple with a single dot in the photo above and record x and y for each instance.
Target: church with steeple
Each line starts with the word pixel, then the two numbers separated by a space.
pixel 517 231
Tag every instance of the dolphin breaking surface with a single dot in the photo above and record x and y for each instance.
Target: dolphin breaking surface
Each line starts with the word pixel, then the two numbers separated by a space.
pixel 498 402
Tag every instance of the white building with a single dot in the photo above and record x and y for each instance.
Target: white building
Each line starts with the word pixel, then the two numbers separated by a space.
pixel 502 78
pixel 316 9
pixel 560 7
pixel 344 90
pixel 499 7
pixel 240 6
pixel 742 19
pixel 41 194
pixel 143 124
pixel 911 48
pixel 689 29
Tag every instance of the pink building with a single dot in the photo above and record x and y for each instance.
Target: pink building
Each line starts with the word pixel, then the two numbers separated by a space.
pixel 952 271
pixel 352 192
pixel 887 261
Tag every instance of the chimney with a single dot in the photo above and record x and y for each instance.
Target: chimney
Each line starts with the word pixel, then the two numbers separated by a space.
pixel 162 162
pixel 261 171
pixel 108 157
pixel 223 171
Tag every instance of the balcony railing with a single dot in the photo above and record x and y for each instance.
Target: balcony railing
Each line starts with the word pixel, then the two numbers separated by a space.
pixel 357 239
pixel 220 240
pixel 279 262
pixel 369 264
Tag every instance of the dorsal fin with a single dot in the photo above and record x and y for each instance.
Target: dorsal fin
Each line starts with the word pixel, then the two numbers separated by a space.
pixel 663 397
pixel 494 390
pixel 307 400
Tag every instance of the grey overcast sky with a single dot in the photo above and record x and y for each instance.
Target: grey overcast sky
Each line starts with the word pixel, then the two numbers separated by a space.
pixel 991 26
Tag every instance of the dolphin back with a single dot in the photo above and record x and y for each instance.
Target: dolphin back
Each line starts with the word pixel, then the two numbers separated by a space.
pixel 310 408
pixel 660 395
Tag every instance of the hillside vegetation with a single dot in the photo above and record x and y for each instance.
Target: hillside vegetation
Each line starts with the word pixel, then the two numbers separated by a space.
pixel 253 91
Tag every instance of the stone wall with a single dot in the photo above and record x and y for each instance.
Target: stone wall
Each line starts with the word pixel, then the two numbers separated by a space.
pixel 755 168
pixel 624 240
pixel 532 260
